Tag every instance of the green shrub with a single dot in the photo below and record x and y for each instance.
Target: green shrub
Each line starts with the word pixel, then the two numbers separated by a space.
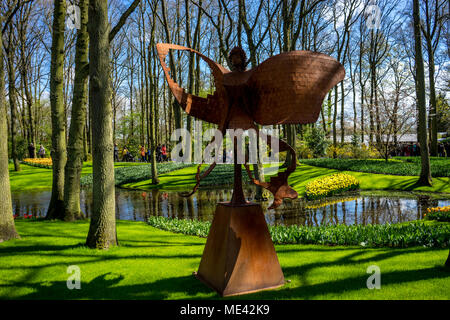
pixel 352 151
pixel 303 151
pixel 316 141
pixel 388 235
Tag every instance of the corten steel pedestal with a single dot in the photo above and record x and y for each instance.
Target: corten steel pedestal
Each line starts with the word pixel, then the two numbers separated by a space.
pixel 239 256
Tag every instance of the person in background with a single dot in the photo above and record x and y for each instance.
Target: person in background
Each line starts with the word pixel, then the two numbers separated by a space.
pixel 441 150
pixel 116 153
pixel 41 151
pixel 149 155
pixel 31 150
pixel 143 153
pixel 164 152
pixel 124 154
pixel 158 153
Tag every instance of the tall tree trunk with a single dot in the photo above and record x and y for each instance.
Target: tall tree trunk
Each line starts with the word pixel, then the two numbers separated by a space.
pixel 342 113
pixel 334 121
pixel 175 105
pixel 7 228
pixel 102 230
pixel 75 148
pixel 425 174
pixel 433 111
pixel 152 102
pixel 58 152
pixel 12 100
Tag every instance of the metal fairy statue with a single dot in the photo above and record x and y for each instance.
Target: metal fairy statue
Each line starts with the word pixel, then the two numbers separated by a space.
pixel 288 88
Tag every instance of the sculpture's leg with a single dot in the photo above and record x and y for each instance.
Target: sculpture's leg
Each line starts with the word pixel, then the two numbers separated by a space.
pixel 238 197
pixel 239 256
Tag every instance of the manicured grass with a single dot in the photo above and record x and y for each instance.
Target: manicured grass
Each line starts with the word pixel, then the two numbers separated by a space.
pixel 368 181
pixel 155 264
pixel 179 180
pixel 38 179
pixel 130 174
pixel 440 167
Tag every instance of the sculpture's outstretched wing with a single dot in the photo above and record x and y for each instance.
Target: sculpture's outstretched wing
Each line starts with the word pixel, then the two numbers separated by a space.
pixel 289 88
pixel 208 109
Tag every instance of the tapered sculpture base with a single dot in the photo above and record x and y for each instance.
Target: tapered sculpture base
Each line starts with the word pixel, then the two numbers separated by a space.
pixel 239 256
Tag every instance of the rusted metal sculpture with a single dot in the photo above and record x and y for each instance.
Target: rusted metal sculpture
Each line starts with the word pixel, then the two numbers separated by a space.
pixel 288 88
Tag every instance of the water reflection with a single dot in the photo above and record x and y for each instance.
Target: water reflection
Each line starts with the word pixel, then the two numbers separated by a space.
pixel 352 209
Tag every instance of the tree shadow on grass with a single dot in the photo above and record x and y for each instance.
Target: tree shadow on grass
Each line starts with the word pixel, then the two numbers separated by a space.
pixel 17 250
pixel 340 286
pixel 111 286
pixel 108 286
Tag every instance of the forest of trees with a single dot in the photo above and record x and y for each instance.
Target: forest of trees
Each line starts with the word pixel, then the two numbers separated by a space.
pixel 77 91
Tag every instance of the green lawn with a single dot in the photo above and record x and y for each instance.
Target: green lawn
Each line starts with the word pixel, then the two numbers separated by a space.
pixel 368 181
pixel 155 264
pixel 31 178
pixel 179 180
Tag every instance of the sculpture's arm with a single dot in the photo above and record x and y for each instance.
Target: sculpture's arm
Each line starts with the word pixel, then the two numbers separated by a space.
pixel 208 109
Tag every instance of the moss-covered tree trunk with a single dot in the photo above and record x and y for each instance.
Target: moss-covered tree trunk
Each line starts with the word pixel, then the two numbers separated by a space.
pixel 102 230
pixel 425 174
pixel 152 104
pixel 75 148
pixel 7 228
pixel 58 152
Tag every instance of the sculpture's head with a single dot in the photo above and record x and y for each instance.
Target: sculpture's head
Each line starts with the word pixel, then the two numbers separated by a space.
pixel 238 59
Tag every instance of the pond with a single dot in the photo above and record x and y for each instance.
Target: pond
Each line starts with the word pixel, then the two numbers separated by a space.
pixel 350 209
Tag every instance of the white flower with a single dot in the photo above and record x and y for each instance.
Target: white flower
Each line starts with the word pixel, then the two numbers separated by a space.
pixel 363 244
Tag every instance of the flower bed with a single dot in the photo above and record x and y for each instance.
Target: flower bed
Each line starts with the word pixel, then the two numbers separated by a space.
pixel 388 235
pixel 438 213
pixel 331 185
pixel 39 162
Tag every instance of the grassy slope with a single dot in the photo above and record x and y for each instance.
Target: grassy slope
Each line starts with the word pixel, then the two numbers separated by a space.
pixel 38 179
pixel 154 264
pixel 185 179
pixel 368 181
pixel 182 179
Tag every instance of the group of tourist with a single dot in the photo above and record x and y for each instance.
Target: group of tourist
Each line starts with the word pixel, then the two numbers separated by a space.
pixel 413 150
pixel 32 151
pixel 144 154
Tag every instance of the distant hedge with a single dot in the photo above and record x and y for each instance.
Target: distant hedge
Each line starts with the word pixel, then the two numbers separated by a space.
pixel 440 167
